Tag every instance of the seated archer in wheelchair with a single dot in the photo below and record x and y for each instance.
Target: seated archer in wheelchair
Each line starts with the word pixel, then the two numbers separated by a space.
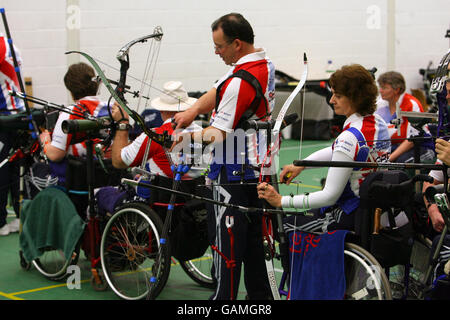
pixel 66 152
pixel 66 167
pixel 354 95
pixel 364 138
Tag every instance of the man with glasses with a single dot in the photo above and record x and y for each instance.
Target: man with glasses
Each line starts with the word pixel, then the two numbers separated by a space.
pixel 245 92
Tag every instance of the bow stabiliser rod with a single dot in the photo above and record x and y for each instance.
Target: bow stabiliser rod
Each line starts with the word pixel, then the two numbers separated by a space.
pixel 360 164
pixel 193 196
pixel 51 105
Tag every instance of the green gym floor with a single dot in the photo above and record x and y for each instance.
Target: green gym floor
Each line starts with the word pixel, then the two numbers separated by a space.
pixel 19 284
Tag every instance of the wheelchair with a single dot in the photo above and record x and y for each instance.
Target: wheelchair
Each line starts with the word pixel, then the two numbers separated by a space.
pixel 77 201
pixel 133 250
pixel 377 243
pixel 121 245
pixel 400 245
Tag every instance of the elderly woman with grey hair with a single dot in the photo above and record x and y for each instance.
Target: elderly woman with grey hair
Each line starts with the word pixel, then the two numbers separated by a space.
pixel 392 87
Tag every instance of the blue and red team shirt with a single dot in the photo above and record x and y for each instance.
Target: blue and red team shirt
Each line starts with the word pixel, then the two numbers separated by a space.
pixel 364 138
pixel 9 80
pixel 236 96
pixel 73 144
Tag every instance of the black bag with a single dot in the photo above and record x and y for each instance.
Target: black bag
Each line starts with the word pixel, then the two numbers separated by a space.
pixel 383 189
pixel 312 130
pixel 76 174
pixel 189 239
pixel 393 247
pixel 186 186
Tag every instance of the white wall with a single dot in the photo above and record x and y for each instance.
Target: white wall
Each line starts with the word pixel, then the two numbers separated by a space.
pixel 350 31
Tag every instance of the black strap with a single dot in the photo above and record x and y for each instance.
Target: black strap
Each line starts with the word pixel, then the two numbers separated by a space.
pixel 391 217
pixel 251 79
pixel 81 109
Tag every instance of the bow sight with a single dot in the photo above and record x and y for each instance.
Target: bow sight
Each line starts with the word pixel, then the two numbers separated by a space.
pixel 442 74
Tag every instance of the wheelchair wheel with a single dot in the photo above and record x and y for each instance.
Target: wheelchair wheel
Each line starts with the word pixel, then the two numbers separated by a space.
pixel 199 270
pixel 53 264
pixel 365 279
pixel 419 264
pixel 128 249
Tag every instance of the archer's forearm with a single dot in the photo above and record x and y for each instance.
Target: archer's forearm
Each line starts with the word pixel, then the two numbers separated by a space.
pixel 120 141
pixel 209 135
pixel 402 148
pixel 206 102
pixel 53 153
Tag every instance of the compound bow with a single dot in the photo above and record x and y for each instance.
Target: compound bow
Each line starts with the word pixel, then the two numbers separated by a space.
pixel 118 93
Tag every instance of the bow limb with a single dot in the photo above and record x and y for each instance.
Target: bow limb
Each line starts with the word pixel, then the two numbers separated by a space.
pixel 161 139
pixel 105 81
pixel 288 102
pixel 268 240
pixel 275 132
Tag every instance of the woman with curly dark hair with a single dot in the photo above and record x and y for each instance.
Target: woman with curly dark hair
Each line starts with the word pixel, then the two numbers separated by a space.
pixel 364 138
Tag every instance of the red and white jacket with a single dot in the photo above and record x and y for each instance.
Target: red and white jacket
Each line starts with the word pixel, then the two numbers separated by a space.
pixel 71 142
pixel 406 102
pixel 159 160
pixel 236 96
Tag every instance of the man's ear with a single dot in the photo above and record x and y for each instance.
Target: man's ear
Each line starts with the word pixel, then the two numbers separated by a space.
pixel 238 44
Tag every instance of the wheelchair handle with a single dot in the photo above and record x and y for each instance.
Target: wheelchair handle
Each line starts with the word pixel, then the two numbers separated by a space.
pixel 431 191
pixel 377 221
pixel 423 178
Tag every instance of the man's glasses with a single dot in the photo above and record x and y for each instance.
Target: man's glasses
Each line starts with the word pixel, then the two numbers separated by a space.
pixel 220 47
